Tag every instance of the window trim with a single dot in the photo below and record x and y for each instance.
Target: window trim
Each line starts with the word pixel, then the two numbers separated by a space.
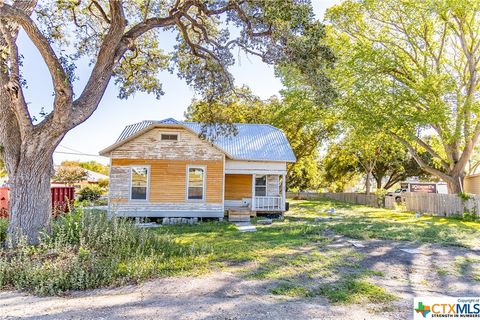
pixel 169 133
pixel 204 183
pixel 266 185
pixel 148 183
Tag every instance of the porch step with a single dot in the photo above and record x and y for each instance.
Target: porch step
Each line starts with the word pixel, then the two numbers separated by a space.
pixel 239 215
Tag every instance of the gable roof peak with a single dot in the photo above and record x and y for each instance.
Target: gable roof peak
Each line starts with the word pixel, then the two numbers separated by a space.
pixel 168 121
pixel 254 142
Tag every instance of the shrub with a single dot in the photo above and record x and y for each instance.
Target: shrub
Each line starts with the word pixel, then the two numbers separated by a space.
pixel 87 250
pixel 90 193
pixel 469 216
pixel 3 229
pixel 103 183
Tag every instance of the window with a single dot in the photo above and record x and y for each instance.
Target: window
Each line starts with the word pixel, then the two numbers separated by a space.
pixel 139 183
pixel 195 183
pixel 260 186
pixel 169 137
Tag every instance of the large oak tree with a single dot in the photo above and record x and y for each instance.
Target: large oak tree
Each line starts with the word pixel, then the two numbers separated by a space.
pixel 123 40
pixel 411 69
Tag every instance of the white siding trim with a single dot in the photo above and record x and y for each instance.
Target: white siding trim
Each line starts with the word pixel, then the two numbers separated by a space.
pixel 148 183
pixel 223 185
pixel 204 191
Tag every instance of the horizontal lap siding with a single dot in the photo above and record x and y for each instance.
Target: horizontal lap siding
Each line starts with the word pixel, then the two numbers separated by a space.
pixel 238 186
pixel 150 146
pixel 472 184
pixel 168 178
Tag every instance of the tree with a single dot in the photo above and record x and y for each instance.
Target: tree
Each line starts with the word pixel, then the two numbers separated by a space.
pixel 411 69
pixel 88 165
pixel 375 156
pixel 305 123
pixel 70 174
pixel 122 40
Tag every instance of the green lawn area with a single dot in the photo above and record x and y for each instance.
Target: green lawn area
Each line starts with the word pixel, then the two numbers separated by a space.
pixel 363 222
pixel 294 254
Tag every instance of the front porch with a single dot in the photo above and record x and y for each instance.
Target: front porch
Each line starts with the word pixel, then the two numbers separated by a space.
pixel 256 192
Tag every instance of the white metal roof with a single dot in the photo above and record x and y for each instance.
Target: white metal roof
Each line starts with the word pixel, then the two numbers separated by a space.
pixel 256 142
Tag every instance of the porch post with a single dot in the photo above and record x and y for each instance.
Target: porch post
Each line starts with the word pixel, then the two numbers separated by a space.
pixel 253 191
pixel 284 187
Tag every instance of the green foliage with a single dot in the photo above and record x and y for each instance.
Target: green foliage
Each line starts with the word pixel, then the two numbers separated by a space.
pixel 305 123
pixel 3 229
pixel 88 250
pixel 469 216
pixel 69 174
pixel 3 170
pixel 464 196
pixel 277 30
pixel 359 152
pixel 103 183
pixel 402 68
pixel 91 193
pixel 88 165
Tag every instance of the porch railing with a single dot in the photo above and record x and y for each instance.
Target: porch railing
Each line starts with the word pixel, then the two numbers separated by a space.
pixel 269 203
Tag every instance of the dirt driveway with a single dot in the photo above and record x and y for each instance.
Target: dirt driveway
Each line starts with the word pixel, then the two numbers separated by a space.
pixel 428 270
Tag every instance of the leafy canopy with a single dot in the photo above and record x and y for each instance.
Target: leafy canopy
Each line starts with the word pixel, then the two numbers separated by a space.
pixel 305 123
pixel 410 69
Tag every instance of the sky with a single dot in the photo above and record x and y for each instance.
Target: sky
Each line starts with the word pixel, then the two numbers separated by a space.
pixel 113 114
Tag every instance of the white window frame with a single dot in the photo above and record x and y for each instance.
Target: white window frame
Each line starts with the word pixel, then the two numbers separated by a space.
pixel 170 133
pixel 148 183
pixel 266 185
pixel 204 184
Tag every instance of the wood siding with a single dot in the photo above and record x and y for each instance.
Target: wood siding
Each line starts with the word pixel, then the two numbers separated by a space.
pixel 238 186
pixel 167 179
pixel 150 146
pixel 472 184
pixel 273 185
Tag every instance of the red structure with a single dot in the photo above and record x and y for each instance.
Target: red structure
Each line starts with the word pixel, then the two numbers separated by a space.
pixel 62 200
pixel 3 202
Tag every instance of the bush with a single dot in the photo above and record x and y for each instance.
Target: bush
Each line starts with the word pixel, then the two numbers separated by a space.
pixel 3 229
pixel 103 183
pixel 88 250
pixel 469 216
pixel 90 193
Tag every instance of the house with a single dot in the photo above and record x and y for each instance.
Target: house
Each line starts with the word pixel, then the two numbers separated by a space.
pixel 164 169
pixel 471 183
pixel 91 177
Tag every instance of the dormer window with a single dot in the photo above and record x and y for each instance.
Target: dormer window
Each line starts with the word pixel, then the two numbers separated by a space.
pixel 169 137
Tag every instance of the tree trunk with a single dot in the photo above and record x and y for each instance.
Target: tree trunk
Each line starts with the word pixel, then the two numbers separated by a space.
pixel 455 185
pixel 367 183
pixel 379 179
pixel 30 199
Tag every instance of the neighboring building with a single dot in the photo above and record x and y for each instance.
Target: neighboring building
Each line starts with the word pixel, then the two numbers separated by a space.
pixel 164 169
pixel 471 184
pixel 92 177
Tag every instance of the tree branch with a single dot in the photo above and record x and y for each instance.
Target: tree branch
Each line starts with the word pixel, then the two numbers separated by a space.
pixel 61 82
pixel 419 159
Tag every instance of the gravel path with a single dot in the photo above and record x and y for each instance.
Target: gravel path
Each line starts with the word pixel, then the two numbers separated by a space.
pixel 225 295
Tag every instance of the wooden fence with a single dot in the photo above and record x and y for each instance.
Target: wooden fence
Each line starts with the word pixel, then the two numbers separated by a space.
pixel 430 203
pixel 441 204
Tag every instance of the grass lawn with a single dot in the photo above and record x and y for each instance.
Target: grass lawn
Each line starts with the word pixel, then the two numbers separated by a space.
pixel 296 257
pixel 362 222
pixel 294 253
